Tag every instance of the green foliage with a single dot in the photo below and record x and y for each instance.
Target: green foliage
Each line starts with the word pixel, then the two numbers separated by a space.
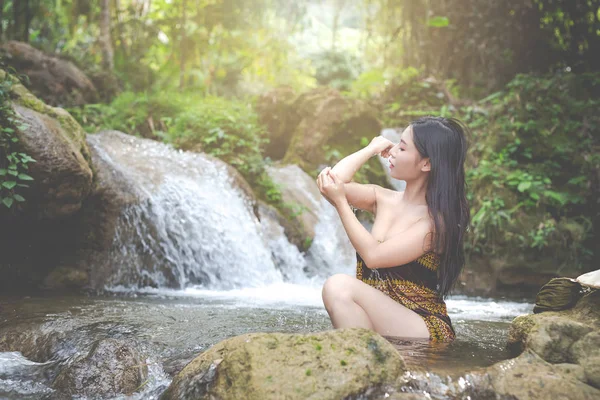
pixel 534 179
pixel 13 164
pixel 438 22
pixel 336 69
pixel 226 129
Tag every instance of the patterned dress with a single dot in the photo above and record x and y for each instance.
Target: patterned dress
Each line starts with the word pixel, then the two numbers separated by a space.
pixel 414 286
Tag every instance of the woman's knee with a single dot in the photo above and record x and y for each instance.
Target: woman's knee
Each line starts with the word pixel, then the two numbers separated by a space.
pixel 337 288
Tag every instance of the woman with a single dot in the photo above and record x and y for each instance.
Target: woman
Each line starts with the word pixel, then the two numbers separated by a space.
pixel 414 253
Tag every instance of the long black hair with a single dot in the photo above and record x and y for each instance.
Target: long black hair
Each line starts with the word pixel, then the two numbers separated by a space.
pixel 443 141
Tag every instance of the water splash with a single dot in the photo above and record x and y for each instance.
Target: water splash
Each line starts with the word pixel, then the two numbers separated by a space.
pixel 194 227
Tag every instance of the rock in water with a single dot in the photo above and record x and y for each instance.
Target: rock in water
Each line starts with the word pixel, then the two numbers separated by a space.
pixel 112 367
pixel 326 365
pixel 527 377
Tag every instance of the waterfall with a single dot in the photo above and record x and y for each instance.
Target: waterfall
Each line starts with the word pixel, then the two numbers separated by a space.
pixel 193 226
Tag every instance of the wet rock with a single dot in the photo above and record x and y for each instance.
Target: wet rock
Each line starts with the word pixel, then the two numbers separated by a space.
pixel 326 365
pixel 586 352
pixel 126 219
pixel 570 336
pixel 404 396
pixel 527 377
pixel 31 341
pixel 111 367
pixel 58 82
pixel 549 335
pixel 574 370
pixel 66 278
pixel 299 191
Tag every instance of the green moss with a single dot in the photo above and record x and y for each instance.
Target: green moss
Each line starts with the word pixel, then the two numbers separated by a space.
pixel 373 346
pixel 343 363
pixel 272 345
pixel 308 372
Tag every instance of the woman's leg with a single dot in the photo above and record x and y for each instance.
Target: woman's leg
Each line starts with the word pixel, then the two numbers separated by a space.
pixel 352 303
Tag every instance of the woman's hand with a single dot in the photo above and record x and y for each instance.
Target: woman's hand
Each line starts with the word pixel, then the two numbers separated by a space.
pixel 331 187
pixel 382 146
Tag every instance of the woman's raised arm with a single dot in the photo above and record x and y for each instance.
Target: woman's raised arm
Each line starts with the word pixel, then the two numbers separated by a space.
pixel 347 166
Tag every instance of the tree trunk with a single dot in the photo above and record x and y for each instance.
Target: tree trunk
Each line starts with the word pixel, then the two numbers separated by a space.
pixel 105 41
pixel 27 21
pixel 182 49
pixel 16 15
pixel 1 19
pixel 339 6
pixel 119 39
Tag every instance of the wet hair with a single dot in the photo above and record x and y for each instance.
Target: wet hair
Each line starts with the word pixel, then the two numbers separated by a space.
pixel 443 141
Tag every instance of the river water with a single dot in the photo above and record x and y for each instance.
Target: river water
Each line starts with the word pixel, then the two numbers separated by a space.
pixel 175 326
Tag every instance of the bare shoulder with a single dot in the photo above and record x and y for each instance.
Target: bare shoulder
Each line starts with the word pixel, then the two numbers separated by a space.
pixel 384 195
pixel 388 198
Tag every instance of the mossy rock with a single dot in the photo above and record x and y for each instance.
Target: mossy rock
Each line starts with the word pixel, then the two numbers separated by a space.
pixel 290 366
pixel 328 120
pixel 551 334
pixel 62 172
pixel 58 82
pixel 527 377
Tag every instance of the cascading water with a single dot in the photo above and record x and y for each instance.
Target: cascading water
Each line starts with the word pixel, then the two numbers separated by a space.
pixel 193 227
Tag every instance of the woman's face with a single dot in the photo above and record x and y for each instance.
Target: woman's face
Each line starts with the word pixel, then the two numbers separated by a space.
pixel 406 162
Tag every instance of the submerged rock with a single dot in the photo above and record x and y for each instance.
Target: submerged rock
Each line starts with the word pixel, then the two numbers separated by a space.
pixel 326 365
pixel 110 368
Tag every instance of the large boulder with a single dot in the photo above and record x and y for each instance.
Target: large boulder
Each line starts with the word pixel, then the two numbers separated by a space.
pixel 316 127
pixel 328 120
pixel 58 82
pixel 570 336
pixel 62 172
pixel 277 112
pixel 35 233
pixel 326 365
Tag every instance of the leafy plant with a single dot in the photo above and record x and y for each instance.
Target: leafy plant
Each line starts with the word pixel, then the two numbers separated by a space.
pixel 13 164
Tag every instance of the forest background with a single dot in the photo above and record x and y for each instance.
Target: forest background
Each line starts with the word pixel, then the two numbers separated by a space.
pixel 524 75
